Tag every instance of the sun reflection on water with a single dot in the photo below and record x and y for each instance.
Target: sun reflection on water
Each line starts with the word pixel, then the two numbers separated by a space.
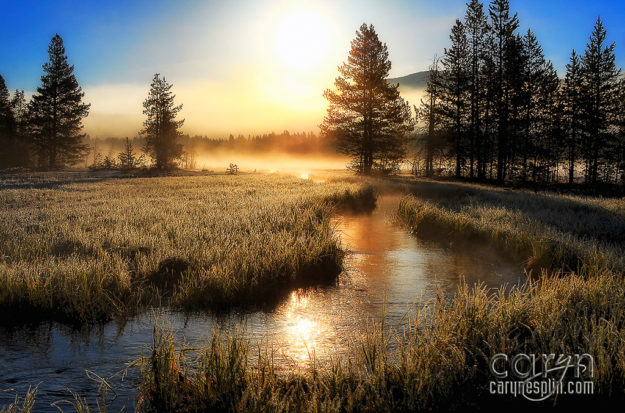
pixel 302 330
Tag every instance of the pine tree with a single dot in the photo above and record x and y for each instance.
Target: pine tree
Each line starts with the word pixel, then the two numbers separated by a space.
pixel 515 98
pixel 600 83
pixel 476 26
pixel 19 108
pixel 572 101
pixel 366 115
pixel 430 115
pixel 454 85
pixel 20 114
pixel 7 127
pixel 57 110
pixel 127 158
pixel 503 40
pixel 161 129
pixel 537 89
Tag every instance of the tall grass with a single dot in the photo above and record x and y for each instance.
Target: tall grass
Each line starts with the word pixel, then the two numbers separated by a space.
pixel 550 231
pixel 25 405
pixel 435 364
pixel 85 249
pixel 439 361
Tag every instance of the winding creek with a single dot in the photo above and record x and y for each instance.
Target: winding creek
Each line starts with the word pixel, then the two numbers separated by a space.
pixel 388 270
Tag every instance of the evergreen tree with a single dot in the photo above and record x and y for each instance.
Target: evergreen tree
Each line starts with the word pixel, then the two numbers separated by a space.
pixel 366 115
pixel 515 99
pixel 539 88
pixel 20 114
pixel 502 26
pixel 572 101
pixel 128 159
pixel 600 83
pixel 476 27
pixel 7 127
pixel 430 115
pixel 56 111
pixel 161 129
pixel 19 108
pixel 454 87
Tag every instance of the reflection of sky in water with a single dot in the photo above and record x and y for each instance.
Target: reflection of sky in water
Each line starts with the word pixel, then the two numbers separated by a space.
pixel 386 268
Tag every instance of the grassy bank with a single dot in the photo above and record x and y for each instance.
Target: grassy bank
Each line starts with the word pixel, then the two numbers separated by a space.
pixel 438 367
pixel 549 231
pixel 81 248
pixel 441 362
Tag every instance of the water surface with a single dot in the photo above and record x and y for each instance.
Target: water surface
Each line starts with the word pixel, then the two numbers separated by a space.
pixel 387 269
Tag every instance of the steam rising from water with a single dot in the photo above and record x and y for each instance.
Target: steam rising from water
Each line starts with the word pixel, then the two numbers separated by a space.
pixel 299 165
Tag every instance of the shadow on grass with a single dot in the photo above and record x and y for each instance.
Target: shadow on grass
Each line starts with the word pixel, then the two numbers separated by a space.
pixel 575 216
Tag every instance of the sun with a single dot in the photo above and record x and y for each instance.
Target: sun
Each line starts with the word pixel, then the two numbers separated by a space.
pixel 302 39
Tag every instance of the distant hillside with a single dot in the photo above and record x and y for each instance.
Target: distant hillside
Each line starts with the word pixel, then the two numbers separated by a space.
pixel 416 80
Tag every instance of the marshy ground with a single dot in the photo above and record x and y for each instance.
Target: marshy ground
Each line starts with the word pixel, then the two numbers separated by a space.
pixel 90 247
pixel 85 250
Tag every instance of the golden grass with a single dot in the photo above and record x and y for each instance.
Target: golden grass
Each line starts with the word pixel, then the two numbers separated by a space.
pixel 440 365
pixel 556 232
pixel 84 249
pixel 440 360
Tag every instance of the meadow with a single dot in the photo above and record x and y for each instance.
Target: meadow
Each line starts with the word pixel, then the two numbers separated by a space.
pixel 572 303
pixel 81 248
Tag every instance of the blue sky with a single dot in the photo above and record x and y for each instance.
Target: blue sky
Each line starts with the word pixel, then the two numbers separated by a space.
pixel 237 45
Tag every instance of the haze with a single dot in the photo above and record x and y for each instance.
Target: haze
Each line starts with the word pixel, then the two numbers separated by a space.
pixel 248 66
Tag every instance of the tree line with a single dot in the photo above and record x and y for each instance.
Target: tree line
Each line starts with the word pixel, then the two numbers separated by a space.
pixel 47 131
pixel 119 153
pixel 495 107
pixel 288 142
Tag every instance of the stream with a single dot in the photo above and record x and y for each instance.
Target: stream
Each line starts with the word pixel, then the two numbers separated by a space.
pixel 388 271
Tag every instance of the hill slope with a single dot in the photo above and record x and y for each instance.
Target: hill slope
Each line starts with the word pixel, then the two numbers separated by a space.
pixel 416 80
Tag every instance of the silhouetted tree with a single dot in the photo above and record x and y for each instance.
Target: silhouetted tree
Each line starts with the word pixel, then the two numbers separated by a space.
pixel 476 27
pixel 56 111
pixel 366 115
pixel 502 27
pixel 538 96
pixel 7 127
pixel 430 115
pixel 453 84
pixel 19 108
pixel 600 83
pixel 128 159
pixel 572 101
pixel 20 114
pixel 161 129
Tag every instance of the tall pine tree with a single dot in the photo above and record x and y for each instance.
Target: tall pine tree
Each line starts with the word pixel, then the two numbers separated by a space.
pixel 600 84
pixel 503 26
pixel 7 127
pixel 572 102
pixel 161 129
pixel 366 115
pixel 56 112
pixel 454 87
pixel 429 114
pixel 476 26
